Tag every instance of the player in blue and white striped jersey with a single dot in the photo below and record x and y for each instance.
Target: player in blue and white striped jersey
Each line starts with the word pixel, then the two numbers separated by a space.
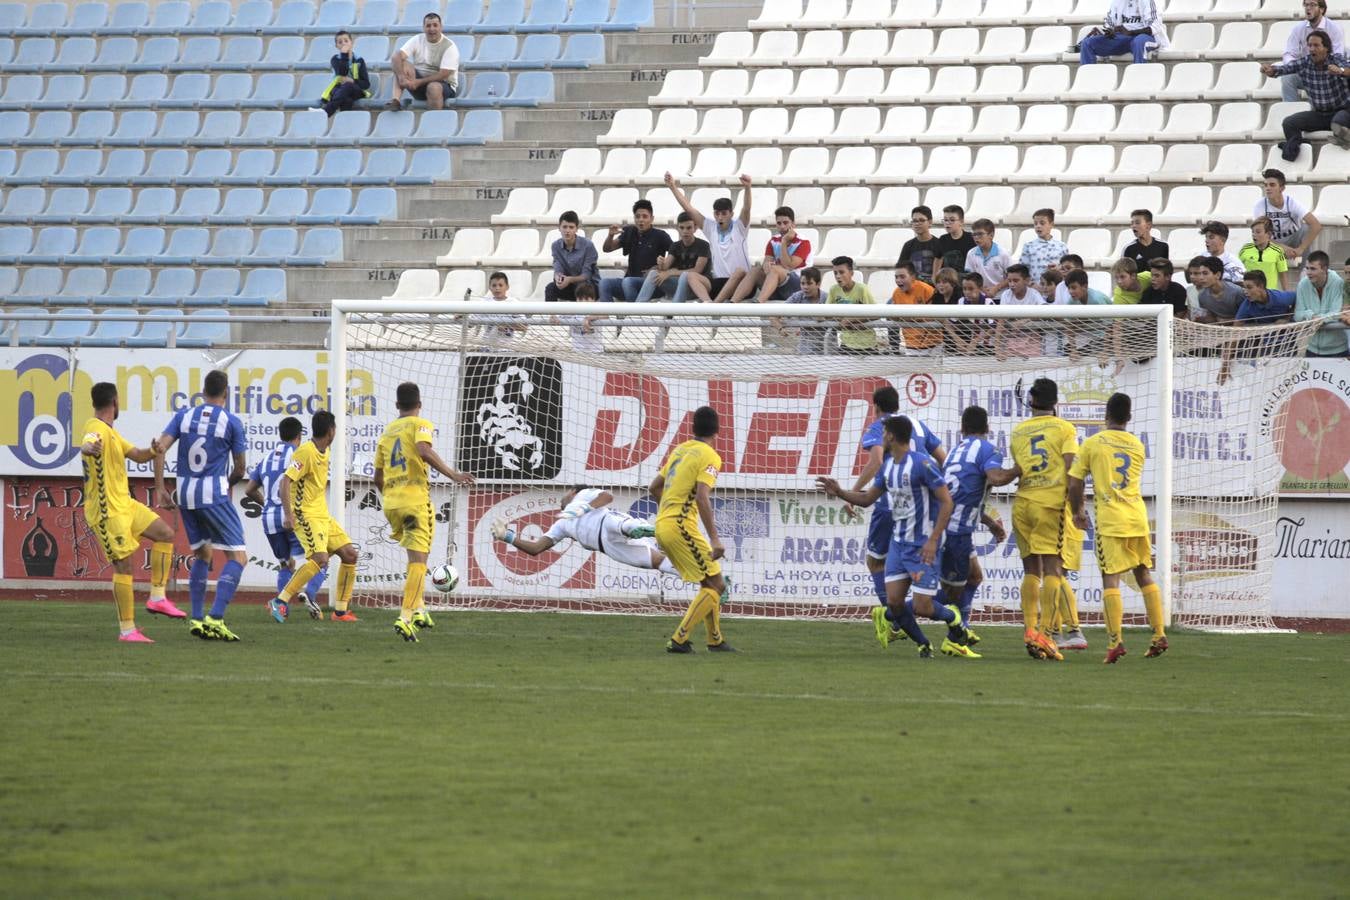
pixel 921 507
pixel 886 403
pixel 209 437
pixel 264 484
pixel 972 468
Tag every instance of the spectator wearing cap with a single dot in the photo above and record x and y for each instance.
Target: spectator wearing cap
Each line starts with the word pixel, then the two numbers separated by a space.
pixel 1293 227
pixel 1324 78
pixel 1296 47
pixel 1130 26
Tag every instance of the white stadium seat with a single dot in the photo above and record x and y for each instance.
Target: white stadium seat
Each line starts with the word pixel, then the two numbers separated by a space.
pixel 576 165
pixel 468 247
pixel 892 204
pixel 1002 83
pixel 816 86
pixel 714 164
pixel 860 86
pixel 847 206
pixel 629 125
pixel 1033 198
pixel 416 283
pixel 770 86
pixel 523 206
pixel 1186 204
pixel 679 88
pixel 727 86
pixel 818 48
pixel 732 48
pixel 458 281
pixel 1087 205
pixel 1136 197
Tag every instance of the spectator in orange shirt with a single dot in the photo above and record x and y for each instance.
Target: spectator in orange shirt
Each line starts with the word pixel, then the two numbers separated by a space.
pixel 909 289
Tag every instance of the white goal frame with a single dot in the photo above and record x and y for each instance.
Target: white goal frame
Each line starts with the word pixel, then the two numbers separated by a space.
pixel 342 309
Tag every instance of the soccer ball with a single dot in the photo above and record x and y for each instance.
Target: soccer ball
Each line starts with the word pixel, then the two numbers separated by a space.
pixel 444 578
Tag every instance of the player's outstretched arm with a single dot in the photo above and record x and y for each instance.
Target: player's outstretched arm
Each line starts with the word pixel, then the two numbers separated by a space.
pixel 433 459
pixel 999 476
pixel 703 498
pixel 865 497
pixel 507 534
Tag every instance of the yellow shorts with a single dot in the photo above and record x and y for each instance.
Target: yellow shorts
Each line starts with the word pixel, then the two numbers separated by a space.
pixel 687 549
pixel 1071 549
pixel 120 535
pixel 1037 529
pixel 1123 554
pixel 411 526
pixel 319 534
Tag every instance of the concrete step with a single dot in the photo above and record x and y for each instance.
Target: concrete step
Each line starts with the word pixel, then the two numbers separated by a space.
pixel 663 48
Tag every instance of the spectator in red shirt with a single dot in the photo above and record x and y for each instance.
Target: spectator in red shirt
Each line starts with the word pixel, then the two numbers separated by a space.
pixel 784 255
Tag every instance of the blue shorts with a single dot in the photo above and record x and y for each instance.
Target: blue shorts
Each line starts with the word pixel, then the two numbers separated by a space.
pixel 955 558
pixel 217 525
pixel 903 564
pixel 285 545
pixel 879 530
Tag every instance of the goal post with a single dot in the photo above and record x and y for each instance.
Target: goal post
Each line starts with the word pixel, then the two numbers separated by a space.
pixel 533 398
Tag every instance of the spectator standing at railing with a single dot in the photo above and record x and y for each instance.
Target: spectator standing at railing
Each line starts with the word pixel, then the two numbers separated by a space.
pixel 1321 294
pixel 426 66
pixel 1296 47
pixel 1293 226
pixel 1131 26
pixel 351 78
pixel 1324 78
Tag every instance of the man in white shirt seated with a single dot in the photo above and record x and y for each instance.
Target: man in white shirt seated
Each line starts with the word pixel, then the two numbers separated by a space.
pixel 1296 47
pixel 426 66
pixel 1131 26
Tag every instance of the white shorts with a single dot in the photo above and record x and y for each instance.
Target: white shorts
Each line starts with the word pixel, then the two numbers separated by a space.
pixel 635 552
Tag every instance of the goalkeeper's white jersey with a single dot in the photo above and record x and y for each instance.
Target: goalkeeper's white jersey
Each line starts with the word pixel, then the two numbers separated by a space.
pixel 582 524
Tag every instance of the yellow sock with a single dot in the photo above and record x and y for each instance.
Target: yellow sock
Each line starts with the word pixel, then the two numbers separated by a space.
pixel 714 622
pixel 161 561
pixel 1068 605
pixel 124 596
pixel 698 610
pixel 1031 598
pixel 1114 610
pixel 413 590
pixel 1050 588
pixel 346 584
pixel 1153 606
pixel 299 580
pixel 1057 624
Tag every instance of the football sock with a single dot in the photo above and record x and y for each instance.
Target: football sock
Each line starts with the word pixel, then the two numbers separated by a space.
pixel 124 596
pixel 1153 606
pixel 1114 610
pixel 714 623
pixel 302 575
pixel 315 583
pixel 1050 588
pixel 197 574
pixel 1068 605
pixel 879 585
pixel 161 560
pixel 903 618
pixel 283 579
pixel 698 610
pixel 940 612
pixel 966 603
pixel 1031 598
pixel 345 585
pixel 226 585
pixel 413 589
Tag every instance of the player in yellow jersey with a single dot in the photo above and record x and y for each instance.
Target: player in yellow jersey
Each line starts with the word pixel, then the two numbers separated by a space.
pixel 1115 460
pixel 402 458
pixel 684 490
pixel 304 509
pixel 1043 447
pixel 118 521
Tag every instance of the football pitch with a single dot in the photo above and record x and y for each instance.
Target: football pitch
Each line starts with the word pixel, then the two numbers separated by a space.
pixel 517 755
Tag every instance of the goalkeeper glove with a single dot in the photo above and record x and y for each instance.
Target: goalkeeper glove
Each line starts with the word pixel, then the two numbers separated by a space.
pixel 503 532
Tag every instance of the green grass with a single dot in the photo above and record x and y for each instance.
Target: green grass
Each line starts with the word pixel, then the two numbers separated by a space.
pixel 549 755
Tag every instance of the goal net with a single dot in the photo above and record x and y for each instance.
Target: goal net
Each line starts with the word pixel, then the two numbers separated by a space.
pixel 559 395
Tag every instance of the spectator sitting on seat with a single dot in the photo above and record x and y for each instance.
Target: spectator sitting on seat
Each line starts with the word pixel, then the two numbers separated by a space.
pixel 955 243
pixel 855 335
pixel 1067 263
pixel 1323 74
pixel 1296 47
pixel 351 78
pixel 642 244
pixel 1051 281
pixel 784 254
pixel 1295 228
pixel 726 242
pixel 921 251
pixel 811 339
pixel 1130 283
pixel 1263 255
pixel 1216 244
pixel 1131 26
pixel 1145 248
pixel 1043 250
pixel 574 261
pixel 1162 289
pixel 687 254
pixel 946 287
pixel 1081 294
pixel 909 290
pixel 1218 299
pixel 1321 295
pixel 426 66
pixel 988 259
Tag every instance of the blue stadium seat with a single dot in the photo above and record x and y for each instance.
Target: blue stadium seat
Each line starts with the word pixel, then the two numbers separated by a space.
pixel 6 50
pixel 216 288
pixel 231 90
pixel 203 334
pixel 308 91
pixel 171 17
pixel 495 51
pixel 142 246
pixel 124 164
pixel 241 206
pixel 164 167
pixel 377 15
pixel 340 166
pixel 486 89
pixel 79 166
pixel 63 92
pixel 52 245
pixel 77 53
pixel 461 15
pixel 538 51
pixel 545 15
pixel 284 51
pixel 335 14
pixel 65 204
pixel 115 53
pixel 435 126
pixel 34 53
pixel 195 206
pixel 230 246
pixel 200 51
pixel 533 88
pixel 261 287
pixel 87 17
pixel 154 331
pixel 29 330
pixel 129 17
pixel 414 10
pixel 45 19
pixel 630 15
pixel 15 241
pixel 110 204
pixel 319 52
pixel 109 333
pixel 22 90
pixel 83 284
pixel 153 205
pixel 211 17
pixel 328 206
pixel 93 126
pixel 105 90
pixel 171 286
pixel 252 15
pixel 275 247
pixel 98 245
pixel 178 127
pixel 13 16
pixel 13 123
pixel 273 88
pixel 126 287
pixel 251 166
pixel 148 89
pixel 503 16
pixel 306 128
pixel 284 206
pixel 587 15
pixel 480 126
pixel 9 281
pixel 293 16
pixel 188 90
pixel 583 50
pixel 37 166
pixel 373 48
pixel 69 326
pixel 186 247
pixel 349 126
pixel 263 127
pixel 383 165
pixel 373 205
pixel 39 283
pixel 156 54
pixel 296 166
pixel 220 126
pixel 428 164
pixel 23 204
pixel 8 160
pixel 320 246
pixel 242 52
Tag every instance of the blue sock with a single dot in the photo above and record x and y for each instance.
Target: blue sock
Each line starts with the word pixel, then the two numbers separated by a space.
pixel 940 612
pixel 197 585
pixel 879 585
pixel 226 585
pixel 283 578
pixel 312 589
pixel 906 622
pixel 966 602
